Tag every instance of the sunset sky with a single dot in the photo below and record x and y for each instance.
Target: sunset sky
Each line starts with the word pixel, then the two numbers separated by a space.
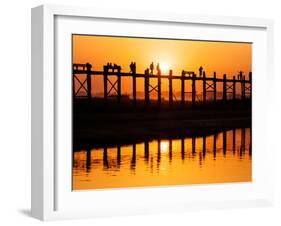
pixel 178 55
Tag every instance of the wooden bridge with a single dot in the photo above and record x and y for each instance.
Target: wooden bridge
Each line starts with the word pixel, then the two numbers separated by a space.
pixel 209 83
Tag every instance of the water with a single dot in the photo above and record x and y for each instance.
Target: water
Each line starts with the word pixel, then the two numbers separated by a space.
pixel 218 158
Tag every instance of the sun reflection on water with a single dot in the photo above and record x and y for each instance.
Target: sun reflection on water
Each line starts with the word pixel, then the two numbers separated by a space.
pixel 217 158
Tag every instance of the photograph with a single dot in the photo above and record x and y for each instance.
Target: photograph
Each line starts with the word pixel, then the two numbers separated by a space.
pixel 149 112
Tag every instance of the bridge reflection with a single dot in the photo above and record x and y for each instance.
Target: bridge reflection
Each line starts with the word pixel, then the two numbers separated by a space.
pixel 236 142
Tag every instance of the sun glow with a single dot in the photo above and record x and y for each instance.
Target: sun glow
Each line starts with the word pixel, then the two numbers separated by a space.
pixel 164 145
pixel 164 67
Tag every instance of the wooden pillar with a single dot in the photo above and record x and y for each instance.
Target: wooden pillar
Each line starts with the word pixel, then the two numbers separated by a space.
pixel 73 159
pixel 133 162
pixel 159 87
pixel 105 74
pixel 224 97
pixel 234 140
pixel 146 86
pixel 119 85
pixel 170 88
pixel 215 86
pixel 182 149
pixel 193 88
pixel 224 142
pixel 134 87
pixel 204 87
pixel 204 145
pixel 215 146
pixel 105 160
pixel 250 145
pixel 118 154
pixel 73 85
pixel 250 80
pixel 193 145
pixel 146 150
pixel 234 88
pixel 243 139
pixel 158 151
pixel 170 150
pixel 243 88
pixel 182 88
pixel 88 159
pixel 89 82
pixel 250 76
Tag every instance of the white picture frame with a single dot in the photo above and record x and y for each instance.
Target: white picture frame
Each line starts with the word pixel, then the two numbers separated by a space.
pixel 52 199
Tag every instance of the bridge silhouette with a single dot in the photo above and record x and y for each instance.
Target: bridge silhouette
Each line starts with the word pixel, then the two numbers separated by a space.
pixel 209 83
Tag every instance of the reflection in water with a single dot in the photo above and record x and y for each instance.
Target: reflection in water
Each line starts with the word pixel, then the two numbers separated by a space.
pixel 218 158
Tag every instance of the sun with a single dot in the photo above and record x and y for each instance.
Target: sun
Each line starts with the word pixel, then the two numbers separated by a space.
pixel 164 67
pixel 164 145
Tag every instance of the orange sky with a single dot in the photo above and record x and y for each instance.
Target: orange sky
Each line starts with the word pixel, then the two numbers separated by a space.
pixel 222 57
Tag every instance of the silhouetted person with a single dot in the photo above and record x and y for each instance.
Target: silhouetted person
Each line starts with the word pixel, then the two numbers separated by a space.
pixel 146 71
pixel 88 66
pixel 240 75
pixel 133 67
pixel 183 73
pixel 151 67
pixel 201 71
pixel 158 69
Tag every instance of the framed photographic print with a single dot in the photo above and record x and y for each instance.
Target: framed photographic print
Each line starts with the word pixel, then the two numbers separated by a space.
pixel 134 112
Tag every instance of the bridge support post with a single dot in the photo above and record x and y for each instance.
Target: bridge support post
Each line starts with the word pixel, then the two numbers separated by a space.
pixel 88 159
pixel 234 140
pixel 215 146
pixel 105 160
pixel 146 150
pixel 250 80
pixel 224 142
pixel 170 88
pixel 182 149
pixel 204 146
pixel 133 162
pixel 118 155
pixel 159 87
pixel 73 85
pixel 193 145
pixel 119 85
pixel 105 74
pixel 234 88
pixel 89 82
pixel 224 97
pixel 134 87
pixel 182 89
pixel 146 87
pixel 193 89
pixel 215 86
pixel 204 87
pixel 243 88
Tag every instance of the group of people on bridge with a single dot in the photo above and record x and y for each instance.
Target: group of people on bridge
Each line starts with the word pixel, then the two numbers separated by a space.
pixel 113 67
pixel 157 68
pixel 150 70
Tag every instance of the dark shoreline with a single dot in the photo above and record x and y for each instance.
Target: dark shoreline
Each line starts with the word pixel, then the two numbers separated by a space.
pixel 96 125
